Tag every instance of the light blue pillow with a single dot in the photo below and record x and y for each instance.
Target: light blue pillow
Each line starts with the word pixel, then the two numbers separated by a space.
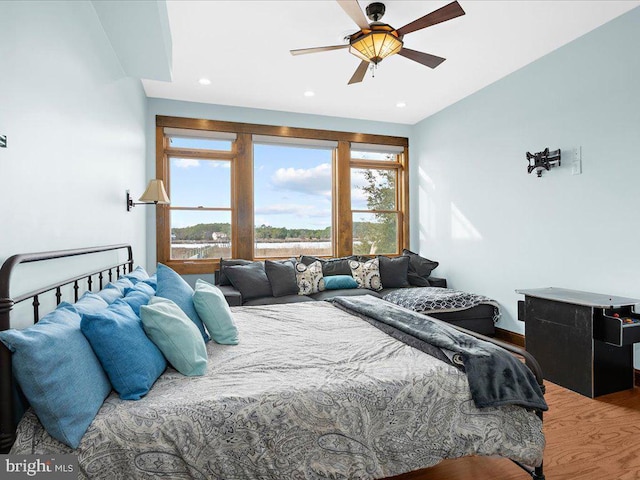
pixel 137 275
pixel 89 302
pixel 132 362
pixel 142 287
pixel 215 313
pixel 59 373
pixel 337 282
pixel 122 283
pixel 173 286
pixel 111 293
pixel 175 335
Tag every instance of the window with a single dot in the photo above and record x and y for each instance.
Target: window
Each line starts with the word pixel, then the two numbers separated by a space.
pixel 375 199
pixel 255 191
pixel 293 197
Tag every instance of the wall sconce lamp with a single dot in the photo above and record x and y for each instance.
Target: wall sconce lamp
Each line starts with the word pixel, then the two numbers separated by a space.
pixel 543 161
pixel 154 194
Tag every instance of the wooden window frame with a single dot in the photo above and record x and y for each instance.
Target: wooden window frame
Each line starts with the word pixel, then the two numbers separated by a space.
pixel 242 208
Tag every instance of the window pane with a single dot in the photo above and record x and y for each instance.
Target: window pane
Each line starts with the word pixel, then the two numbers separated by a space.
pixel 375 233
pixel 200 234
pixel 292 195
pixel 200 183
pixel 373 189
pixel 386 157
pixel 201 143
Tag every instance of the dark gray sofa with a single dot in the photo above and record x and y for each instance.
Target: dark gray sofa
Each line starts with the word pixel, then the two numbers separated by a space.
pixel 478 318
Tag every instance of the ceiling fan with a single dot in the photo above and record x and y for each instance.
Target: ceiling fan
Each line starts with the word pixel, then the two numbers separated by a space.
pixel 377 40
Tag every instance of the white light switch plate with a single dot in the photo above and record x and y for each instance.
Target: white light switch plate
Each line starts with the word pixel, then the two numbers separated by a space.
pixel 576 161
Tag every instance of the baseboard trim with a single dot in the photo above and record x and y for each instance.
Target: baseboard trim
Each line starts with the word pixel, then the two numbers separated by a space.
pixel 510 337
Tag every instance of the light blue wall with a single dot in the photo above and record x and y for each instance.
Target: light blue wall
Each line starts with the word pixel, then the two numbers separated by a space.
pixel 247 115
pixel 493 227
pixel 76 133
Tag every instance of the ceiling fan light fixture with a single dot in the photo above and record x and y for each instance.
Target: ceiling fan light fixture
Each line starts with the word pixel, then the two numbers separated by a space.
pixel 375 44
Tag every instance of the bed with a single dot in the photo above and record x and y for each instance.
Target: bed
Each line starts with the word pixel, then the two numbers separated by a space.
pixel 310 391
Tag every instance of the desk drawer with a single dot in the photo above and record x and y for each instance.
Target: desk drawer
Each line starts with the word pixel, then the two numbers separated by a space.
pixel 622 330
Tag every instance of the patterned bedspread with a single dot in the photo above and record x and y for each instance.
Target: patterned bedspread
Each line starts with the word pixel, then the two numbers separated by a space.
pixel 436 299
pixel 310 392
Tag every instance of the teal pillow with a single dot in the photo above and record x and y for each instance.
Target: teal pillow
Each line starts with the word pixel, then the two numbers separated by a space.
pixel 132 362
pixel 175 335
pixel 59 373
pixel 173 286
pixel 215 313
pixel 111 293
pixel 337 282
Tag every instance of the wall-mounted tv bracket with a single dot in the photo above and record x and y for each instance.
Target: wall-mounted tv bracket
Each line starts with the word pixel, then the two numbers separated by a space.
pixel 543 161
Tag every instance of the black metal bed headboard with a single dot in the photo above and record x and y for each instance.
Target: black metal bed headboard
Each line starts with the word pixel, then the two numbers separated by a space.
pixel 7 407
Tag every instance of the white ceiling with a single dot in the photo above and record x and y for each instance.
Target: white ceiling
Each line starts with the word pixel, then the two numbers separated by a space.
pixel 243 48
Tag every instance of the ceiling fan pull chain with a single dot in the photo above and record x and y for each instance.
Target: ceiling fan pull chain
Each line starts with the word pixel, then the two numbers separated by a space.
pixel 373 67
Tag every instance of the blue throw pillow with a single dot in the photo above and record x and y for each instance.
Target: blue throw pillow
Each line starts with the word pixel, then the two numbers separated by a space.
pixel 136 298
pixel 337 282
pixel 89 303
pixel 175 288
pixel 152 281
pixel 59 373
pixel 215 313
pixel 132 362
pixel 175 335
pixel 111 293
pixel 142 287
pixel 137 275
pixel 123 283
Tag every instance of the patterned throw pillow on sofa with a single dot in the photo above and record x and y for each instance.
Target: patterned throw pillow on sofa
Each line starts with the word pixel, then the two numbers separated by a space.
pixel 367 274
pixel 309 278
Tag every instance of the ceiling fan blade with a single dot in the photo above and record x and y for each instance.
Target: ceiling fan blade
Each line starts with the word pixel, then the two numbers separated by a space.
pixel 360 72
pixel 303 51
pixel 427 59
pixel 443 14
pixel 352 8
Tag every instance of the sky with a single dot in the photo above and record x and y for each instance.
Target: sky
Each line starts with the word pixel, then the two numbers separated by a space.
pixel 292 187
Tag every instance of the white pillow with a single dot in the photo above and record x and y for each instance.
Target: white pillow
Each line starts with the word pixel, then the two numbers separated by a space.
pixel 309 278
pixel 367 274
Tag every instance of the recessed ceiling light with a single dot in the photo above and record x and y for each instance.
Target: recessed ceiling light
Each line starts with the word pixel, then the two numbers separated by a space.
pixel 309 93
pixel 401 104
pixel 204 81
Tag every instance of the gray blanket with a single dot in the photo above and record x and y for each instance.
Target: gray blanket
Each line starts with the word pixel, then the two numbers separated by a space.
pixel 495 376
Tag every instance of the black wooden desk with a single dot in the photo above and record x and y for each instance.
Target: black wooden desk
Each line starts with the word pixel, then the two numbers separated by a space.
pixel 583 341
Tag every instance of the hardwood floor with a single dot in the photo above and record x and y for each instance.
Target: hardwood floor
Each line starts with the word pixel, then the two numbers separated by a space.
pixel 587 439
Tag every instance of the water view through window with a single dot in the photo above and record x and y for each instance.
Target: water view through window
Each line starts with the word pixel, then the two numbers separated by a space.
pixel 292 200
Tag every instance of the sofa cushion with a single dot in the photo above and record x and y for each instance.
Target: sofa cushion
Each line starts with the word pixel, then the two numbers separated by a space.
pixel 224 263
pixel 394 271
pixel 419 268
pixel 367 274
pixel 330 266
pixel 309 278
pixel 350 292
pixel 251 280
pixel 282 277
pixel 278 300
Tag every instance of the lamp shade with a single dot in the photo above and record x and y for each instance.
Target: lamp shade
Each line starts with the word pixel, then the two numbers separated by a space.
pixel 155 193
pixel 375 44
